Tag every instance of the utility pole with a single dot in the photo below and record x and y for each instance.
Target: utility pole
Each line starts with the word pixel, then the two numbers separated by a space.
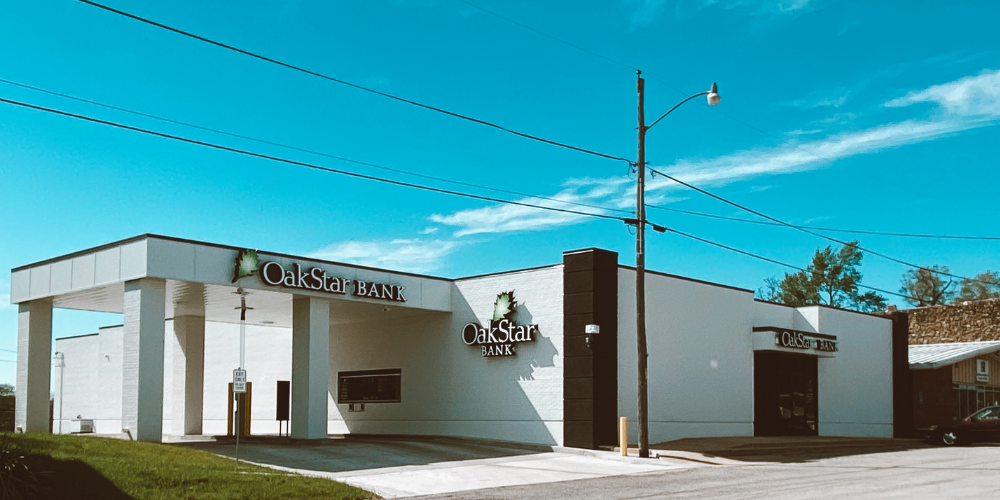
pixel 640 255
pixel 640 275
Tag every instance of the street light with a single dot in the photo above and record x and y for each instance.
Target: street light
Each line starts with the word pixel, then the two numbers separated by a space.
pixel 640 256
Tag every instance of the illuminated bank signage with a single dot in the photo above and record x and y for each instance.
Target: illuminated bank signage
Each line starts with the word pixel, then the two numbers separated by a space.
pixel 795 339
pixel 501 334
pixel 272 273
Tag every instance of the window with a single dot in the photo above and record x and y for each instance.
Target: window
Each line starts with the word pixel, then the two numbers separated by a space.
pixel 988 414
pixel 970 398
pixel 369 386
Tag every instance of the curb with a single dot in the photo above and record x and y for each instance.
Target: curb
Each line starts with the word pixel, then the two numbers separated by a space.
pixel 654 459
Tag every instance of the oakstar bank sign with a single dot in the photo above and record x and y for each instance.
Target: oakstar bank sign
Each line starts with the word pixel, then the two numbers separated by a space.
pixel 501 335
pixel 272 273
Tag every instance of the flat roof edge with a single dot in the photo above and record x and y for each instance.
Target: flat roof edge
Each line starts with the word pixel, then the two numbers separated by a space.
pixel 216 245
pixel 513 271
pixel 78 253
pixel 685 278
pixel 879 314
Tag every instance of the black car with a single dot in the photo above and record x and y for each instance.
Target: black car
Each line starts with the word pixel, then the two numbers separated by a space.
pixel 984 425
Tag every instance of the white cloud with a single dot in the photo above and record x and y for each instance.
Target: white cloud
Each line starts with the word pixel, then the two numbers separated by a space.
pixel 646 12
pixel 789 5
pixel 762 6
pixel 798 132
pixel 509 218
pixel 973 96
pixel 796 157
pixel 814 102
pixel 968 103
pixel 429 230
pixel 418 256
pixel 5 296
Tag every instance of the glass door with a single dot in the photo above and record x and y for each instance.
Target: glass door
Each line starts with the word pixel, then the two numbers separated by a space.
pixel 786 402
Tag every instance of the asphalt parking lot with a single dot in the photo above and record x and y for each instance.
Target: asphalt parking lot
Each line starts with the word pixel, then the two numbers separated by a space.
pixel 793 468
pixel 932 472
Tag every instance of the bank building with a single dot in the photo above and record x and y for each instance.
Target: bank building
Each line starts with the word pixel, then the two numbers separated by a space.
pixel 335 349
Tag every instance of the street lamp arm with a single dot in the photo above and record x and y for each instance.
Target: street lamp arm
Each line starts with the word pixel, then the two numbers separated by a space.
pixel 699 94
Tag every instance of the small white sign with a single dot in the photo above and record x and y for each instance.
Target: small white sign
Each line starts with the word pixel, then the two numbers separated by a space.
pixel 239 380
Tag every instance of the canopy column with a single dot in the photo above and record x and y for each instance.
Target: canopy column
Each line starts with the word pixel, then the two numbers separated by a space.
pixel 189 375
pixel 34 364
pixel 310 367
pixel 142 358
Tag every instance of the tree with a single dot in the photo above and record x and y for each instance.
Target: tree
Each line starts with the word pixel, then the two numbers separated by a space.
pixel 6 390
pixel 926 286
pixel 984 286
pixel 833 279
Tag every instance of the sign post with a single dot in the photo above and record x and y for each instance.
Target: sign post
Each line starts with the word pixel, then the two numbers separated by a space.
pixel 240 374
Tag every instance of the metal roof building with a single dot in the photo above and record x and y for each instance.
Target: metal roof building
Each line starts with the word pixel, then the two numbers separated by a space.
pixel 931 356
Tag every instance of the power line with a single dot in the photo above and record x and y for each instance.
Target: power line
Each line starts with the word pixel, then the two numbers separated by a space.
pixel 354 85
pixel 683 93
pixel 773 261
pixel 828 229
pixel 304 150
pixel 799 228
pixel 303 164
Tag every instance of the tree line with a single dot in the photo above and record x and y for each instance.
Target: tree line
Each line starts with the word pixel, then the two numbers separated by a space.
pixel 833 278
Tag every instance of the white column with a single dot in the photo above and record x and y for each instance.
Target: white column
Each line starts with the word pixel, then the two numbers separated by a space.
pixel 310 367
pixel 34 364
pixel 189 374
pixel 142 359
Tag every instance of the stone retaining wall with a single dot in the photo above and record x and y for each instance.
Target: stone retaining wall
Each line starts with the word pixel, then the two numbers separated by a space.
pixel 966 322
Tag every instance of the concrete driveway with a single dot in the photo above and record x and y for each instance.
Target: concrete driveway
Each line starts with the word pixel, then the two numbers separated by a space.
pixel 395 467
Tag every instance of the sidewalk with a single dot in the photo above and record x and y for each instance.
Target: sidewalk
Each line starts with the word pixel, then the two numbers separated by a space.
pixel 402 466
pixel 782 449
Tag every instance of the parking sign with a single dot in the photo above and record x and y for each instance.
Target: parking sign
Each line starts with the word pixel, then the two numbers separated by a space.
pixel 239 380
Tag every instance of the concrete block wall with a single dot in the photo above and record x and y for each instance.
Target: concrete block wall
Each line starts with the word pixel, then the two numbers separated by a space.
pixel 700 358
pixel 856 386
pixel 94 372
pixel 448 387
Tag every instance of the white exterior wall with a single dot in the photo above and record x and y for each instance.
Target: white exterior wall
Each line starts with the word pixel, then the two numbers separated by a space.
pixel 700 358
pixel 448 387
pixel 268 359
pixel 855 385
pixel 91 382
pixel 93 377
pixel 855 388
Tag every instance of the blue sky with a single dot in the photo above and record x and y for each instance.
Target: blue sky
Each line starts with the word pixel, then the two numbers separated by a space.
pixel 862 115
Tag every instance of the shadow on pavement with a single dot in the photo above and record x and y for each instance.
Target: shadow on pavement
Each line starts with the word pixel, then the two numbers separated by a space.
pixel 787 449
pixel 354 453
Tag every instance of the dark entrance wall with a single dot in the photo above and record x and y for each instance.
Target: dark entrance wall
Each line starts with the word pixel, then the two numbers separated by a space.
pixel 902 377
pixel 933 397
pixel 785 383
pixel 590 374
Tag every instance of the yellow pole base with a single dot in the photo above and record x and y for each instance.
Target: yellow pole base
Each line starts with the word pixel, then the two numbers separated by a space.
pixel 623 435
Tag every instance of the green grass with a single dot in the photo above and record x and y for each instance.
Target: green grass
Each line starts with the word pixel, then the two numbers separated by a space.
pixel 91 467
